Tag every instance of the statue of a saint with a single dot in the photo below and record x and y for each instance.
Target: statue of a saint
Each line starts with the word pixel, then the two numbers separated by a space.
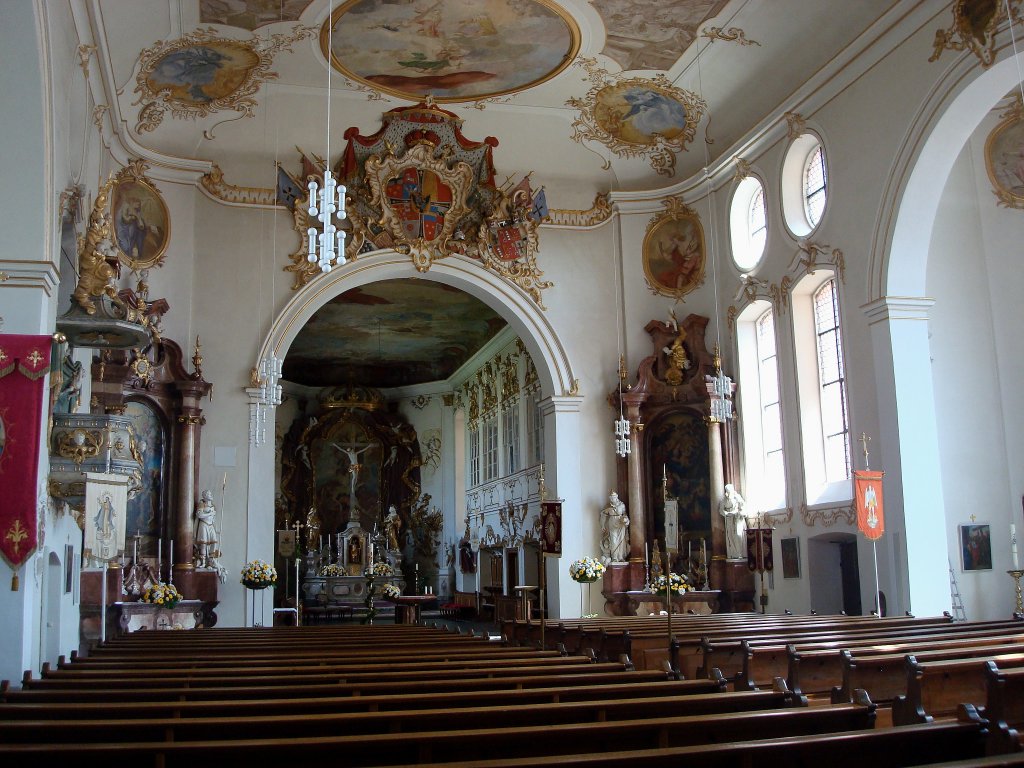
pixel 392 525
pixel 312 530
pixel 614 526
pixel 206 530
pixel 731 509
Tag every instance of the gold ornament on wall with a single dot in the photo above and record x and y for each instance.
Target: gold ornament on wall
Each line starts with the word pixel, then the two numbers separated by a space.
pixel 974 27
pixel 637 117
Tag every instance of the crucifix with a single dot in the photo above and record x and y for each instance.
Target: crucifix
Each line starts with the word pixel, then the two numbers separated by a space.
pixel 352 453
pixel 864 440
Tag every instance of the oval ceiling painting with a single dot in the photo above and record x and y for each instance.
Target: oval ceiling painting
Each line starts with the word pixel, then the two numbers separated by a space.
pixel 453 50
pixel 200 74
pixel 639 113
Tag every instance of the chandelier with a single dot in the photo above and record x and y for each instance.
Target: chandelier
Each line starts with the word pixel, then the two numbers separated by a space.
pixel 327 247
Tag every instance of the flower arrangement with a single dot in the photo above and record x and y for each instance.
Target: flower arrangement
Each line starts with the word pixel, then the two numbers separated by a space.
pixel 382 569
pixel 259 575
pixel 586 570
pixel 332 570
pixel 390 592
pixel 164 595
pixel 677 583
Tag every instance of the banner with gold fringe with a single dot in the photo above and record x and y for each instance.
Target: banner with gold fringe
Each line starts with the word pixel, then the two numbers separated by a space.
pixel 24 362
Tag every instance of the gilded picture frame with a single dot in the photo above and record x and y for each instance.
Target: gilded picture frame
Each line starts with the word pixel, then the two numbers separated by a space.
pixel 674 254
pixel 139 218
pixel 1004 158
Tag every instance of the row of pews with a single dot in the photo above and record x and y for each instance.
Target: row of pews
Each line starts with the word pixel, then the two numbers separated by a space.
pixel 411 695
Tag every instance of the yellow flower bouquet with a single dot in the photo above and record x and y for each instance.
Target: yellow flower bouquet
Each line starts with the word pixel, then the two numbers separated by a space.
pixel 332 570
pixel 382 569
pixel 259 575
pixel 586 570
pixel 162 595
pixel 390 592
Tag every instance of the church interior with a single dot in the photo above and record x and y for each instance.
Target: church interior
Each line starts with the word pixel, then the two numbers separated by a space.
pixel 507 311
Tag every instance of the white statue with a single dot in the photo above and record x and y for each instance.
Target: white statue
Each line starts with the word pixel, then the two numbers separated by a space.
pixel 614 526
pixel 206 531
pixel 392 525
pixel 731 509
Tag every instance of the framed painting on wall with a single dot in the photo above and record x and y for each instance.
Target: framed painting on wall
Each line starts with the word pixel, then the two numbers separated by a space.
pixel 791 558
pixel 1004 159
pixel 976 547
pixel 140 219
pixel 673 251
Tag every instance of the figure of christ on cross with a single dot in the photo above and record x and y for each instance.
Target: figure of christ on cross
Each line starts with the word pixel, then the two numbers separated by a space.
pixel 352 452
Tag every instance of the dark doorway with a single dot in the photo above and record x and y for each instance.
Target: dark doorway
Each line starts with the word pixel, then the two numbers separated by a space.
pixel 850 577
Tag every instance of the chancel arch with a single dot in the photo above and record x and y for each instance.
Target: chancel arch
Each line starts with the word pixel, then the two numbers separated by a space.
pixel 906 317
pixel 525 317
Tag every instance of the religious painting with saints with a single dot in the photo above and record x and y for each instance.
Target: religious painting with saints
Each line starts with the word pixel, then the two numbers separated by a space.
pixel 678 446
pixel 346 468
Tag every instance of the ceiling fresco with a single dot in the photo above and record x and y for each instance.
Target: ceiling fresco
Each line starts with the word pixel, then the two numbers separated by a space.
pixel 392 333
pixel 250 14
pixel 651 34
pixel 454 50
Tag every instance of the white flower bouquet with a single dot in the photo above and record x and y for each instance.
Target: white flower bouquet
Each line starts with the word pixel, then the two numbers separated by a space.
pixel 382 569
pixel 390 592
pixel 586 570
pixel 164 595
pixel 259 575
pixel 677 583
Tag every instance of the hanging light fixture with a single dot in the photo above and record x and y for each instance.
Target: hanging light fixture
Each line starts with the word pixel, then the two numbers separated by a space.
pixel 327 247
pixel 623 445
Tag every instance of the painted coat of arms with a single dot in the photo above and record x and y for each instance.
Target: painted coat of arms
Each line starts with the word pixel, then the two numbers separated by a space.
pixel 421 187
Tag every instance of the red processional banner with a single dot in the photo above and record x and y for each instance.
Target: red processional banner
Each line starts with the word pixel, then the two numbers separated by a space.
pixel 867 491
pixel 760 557
pixel 551 527
pixel 24 362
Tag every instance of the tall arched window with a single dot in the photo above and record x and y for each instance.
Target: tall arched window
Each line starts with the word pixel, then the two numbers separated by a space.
pixel 815 185
pixel 760 408
pixel 835 423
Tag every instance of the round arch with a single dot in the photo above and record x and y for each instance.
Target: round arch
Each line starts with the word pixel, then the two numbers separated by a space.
pixel 511 302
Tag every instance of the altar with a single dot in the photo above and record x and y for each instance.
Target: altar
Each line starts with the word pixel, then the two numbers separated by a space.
pixel 642 603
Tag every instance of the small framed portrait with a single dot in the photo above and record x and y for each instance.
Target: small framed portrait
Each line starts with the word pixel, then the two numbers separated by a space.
pixel 139 219
pixel 976 547
pixel 1004 159
pixel 791 558
pixel 673 251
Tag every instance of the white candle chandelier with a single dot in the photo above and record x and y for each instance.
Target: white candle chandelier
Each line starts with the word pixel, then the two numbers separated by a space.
pixel 327 247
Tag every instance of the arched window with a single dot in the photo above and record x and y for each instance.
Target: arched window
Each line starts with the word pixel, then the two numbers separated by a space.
pixel 760 408
pixel 804 185
pixel 835 422
pixel 748 224
pixel 815 185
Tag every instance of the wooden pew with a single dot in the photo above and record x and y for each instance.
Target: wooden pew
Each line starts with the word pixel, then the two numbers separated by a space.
pixel 595 675
pixel 936 688
pixel 886 676
pixel 509 697
pixel 271 724
pixel 1004 708
pixel 410 748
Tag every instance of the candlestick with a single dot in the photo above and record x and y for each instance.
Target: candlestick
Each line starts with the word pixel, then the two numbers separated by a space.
pixel 159 555
pixel 1013 547
pixel 135 553
pixel 1016 574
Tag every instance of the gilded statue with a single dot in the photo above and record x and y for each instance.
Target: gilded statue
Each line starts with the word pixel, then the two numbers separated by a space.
pixel 312 530
pixel 95 249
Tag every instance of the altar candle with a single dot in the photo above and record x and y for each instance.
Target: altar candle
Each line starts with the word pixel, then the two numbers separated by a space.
pixel 135 554
pixel 170 559
pixel 703 551
pixel 1013 547
pixel 689 550
pixel 159 555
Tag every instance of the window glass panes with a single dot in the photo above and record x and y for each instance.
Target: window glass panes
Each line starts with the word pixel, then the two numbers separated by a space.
pixel 815 185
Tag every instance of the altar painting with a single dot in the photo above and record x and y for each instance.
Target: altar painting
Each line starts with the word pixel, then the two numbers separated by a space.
pixel 334 494
pixel 106 497
pixel 143 509
pixel 455 50
pixel 678 447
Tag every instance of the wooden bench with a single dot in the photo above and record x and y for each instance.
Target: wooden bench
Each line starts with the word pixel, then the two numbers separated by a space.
pixel 461 744
pixel 936 688
pixel 509 697
pixel 271 724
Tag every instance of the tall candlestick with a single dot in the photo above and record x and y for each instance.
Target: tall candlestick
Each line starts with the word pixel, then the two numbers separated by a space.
pixel 1013 547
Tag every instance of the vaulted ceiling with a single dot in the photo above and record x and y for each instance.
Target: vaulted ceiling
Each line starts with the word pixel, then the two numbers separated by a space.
pixel 590 95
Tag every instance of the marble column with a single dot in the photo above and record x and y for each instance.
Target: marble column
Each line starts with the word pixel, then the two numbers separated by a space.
pixel 636 505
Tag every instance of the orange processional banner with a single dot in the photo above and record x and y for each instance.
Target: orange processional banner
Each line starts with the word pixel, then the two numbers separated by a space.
pixel 24 362
pixel 867 492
